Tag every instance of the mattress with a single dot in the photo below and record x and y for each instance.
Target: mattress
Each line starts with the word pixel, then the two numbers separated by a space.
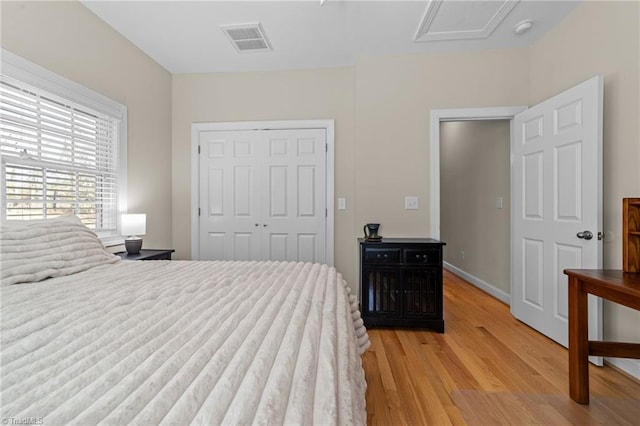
pixel 179 342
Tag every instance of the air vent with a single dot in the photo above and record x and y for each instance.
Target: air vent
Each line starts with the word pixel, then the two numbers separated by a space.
pixel 247 37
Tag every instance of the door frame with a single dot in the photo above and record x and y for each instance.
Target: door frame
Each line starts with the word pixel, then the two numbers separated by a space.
pixel 469 114
pixel 196 128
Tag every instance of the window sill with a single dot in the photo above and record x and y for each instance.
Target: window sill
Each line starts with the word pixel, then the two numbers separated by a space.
pixel 112 241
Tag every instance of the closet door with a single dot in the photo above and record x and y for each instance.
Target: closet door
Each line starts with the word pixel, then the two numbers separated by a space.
pixel 294 195
pixel 263 195
pixel 230 211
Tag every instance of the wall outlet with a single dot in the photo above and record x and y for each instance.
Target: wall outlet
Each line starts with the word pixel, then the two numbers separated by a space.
pixel 411 203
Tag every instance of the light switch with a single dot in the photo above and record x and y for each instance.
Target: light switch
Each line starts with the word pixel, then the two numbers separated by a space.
pixel 499 203
pixel 411 203
pixel 342 203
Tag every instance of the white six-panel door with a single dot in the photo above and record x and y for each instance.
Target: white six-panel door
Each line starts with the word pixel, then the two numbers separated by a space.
pixel 263 195
pixel 557 196
pixel 294 210
pixel 230 211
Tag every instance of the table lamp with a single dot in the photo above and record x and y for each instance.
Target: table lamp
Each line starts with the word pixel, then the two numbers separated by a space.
pixel 133 225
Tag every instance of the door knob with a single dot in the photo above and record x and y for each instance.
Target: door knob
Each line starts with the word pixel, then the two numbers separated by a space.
pixel 587 235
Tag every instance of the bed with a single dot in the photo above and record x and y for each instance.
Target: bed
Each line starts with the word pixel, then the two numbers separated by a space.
pixel 88 338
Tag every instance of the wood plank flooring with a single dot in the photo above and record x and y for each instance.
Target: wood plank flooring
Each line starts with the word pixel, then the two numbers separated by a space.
pixel 486 369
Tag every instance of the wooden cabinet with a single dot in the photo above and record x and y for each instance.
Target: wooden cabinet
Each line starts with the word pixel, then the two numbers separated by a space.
pixel 401 283
pixel 631 234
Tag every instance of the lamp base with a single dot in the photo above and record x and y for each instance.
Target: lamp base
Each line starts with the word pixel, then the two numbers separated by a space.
pixel 133 245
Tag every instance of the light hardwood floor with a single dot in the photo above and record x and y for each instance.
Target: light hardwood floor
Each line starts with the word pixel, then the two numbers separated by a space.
pixel 486 369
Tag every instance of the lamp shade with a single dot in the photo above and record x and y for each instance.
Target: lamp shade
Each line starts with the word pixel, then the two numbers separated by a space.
pixel 134 224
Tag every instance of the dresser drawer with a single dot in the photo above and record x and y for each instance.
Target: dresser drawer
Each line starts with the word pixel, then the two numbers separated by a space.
pixel 422 256
pixel 381 255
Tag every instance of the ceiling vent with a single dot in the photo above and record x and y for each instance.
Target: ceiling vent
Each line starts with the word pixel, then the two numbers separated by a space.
pixel 247 37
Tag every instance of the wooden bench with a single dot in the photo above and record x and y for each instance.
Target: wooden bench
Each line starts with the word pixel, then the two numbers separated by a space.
pixel 616 286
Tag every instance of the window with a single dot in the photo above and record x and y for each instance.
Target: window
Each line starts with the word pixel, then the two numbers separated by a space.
pixel 62 148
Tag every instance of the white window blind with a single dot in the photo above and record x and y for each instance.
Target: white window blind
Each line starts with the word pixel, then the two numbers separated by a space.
pixel 58 157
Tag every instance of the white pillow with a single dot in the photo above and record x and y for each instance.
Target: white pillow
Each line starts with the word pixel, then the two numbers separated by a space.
pixel 39 249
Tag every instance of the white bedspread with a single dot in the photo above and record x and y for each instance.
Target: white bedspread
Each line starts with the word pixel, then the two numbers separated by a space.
pixel 176 342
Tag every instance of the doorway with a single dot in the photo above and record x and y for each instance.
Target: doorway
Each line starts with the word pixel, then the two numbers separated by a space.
pixel 456 115
pixel 475 200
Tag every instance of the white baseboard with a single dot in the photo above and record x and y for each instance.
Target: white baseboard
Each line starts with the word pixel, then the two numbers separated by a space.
pixel 482 285
pixel 629 366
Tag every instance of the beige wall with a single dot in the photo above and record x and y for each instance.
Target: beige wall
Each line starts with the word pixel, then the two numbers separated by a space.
pixel 394 99
pixel 254 96
pixel 68 39
pixel 474 172
pixel 602 38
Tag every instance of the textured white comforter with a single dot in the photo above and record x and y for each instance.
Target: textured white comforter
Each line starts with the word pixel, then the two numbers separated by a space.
pixel 184 342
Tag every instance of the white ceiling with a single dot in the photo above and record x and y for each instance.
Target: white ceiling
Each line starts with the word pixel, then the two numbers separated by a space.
pixel 185 36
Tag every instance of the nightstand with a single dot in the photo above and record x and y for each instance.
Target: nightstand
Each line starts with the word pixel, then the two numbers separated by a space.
pixel 147 255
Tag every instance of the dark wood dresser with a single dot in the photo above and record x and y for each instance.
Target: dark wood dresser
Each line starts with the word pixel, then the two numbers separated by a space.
pixel 401 283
